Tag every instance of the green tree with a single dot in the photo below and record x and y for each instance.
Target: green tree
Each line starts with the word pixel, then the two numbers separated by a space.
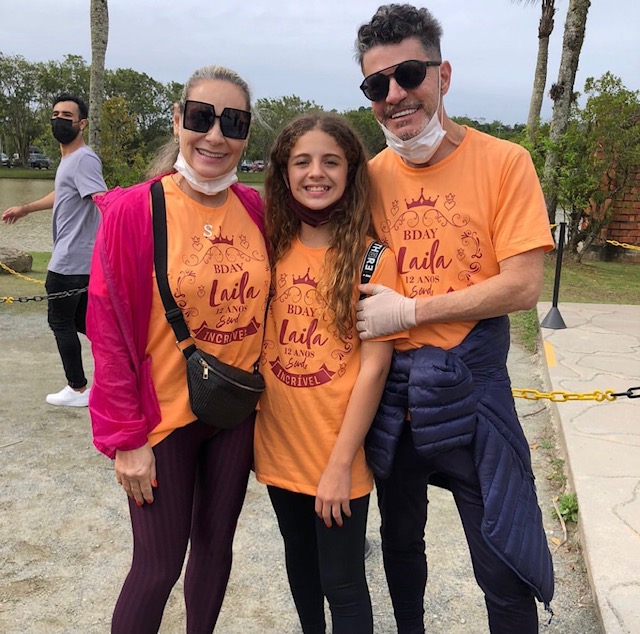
pixel 600 151
pixel 19 104
pixel 562 94
pixel 545 28
pixel 270 116
pixel 99 39
pixel 72 74
pixel 147 100
pixel 364 122
pixel 123 161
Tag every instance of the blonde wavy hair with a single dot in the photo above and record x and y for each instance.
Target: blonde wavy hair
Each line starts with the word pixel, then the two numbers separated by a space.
pixel 349 229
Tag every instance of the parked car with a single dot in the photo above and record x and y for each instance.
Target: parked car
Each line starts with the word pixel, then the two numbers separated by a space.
pixel 39 161
pixel 4 160
pixel 245 166
pixel 257 166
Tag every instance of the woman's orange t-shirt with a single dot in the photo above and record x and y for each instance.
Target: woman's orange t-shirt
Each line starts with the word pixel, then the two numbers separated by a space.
pixel 219 275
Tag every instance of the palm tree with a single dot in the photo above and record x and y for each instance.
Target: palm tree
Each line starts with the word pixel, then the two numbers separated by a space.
pixel 562 95
pixel 545 28
pixel 99 39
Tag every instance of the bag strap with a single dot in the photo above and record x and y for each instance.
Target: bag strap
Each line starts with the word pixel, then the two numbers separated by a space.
pixel 172 312
pixel 369 263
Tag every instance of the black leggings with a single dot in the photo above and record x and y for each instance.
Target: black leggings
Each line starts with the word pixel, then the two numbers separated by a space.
pixel 325 562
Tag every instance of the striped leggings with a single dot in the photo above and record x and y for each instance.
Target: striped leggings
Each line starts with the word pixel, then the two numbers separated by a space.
pixel 202 478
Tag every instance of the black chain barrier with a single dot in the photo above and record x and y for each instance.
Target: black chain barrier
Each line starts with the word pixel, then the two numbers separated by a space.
pixel 41 298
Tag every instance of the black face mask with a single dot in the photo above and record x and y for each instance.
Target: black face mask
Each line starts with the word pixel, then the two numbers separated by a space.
pixel 63 130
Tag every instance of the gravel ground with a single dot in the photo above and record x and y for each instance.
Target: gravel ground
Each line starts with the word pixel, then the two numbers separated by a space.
pixel 65 540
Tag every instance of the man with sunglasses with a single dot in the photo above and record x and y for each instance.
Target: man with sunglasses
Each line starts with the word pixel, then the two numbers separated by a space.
pixel 465 215
pixel 75 222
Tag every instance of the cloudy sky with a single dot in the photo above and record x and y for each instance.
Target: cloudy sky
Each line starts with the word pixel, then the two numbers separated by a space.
pixel 305 47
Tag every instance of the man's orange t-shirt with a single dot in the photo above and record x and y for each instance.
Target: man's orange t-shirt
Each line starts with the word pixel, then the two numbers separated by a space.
pixel 309 374
pixel 452 223
pixel 219 275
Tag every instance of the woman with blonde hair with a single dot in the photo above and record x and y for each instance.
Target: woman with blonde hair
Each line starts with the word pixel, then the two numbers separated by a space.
pixel 185 480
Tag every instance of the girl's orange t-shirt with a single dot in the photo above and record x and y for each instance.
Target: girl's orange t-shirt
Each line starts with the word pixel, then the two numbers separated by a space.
pixel 309 374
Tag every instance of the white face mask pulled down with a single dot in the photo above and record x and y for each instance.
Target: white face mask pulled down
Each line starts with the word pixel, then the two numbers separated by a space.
pixel 207 186
pixel 420 148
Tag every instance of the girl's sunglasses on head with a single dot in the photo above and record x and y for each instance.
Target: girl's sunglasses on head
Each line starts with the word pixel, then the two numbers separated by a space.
pixel 408 75
pixel 201 117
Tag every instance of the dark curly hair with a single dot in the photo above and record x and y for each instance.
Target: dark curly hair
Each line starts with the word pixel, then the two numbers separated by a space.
pixel 349 230
pixel 393 23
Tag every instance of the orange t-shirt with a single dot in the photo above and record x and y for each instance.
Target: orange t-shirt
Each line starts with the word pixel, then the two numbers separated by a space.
pixel 309 374
pixel 452 223
pixel 219 275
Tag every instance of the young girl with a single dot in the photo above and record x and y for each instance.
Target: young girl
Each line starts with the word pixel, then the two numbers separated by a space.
pixel 323 383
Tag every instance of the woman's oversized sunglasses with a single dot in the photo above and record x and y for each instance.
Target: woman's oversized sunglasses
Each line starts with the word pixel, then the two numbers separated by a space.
pixel 409 74
pixel 201 117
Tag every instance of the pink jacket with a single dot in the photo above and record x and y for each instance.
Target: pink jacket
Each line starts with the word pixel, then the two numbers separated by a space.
pixel 123 403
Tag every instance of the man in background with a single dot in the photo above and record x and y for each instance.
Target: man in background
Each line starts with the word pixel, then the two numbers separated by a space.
pixel 75 222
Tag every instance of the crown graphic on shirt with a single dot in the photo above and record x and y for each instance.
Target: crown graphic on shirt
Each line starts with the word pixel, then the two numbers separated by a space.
pixel 220 239
pixel 305 279
pixel 422 201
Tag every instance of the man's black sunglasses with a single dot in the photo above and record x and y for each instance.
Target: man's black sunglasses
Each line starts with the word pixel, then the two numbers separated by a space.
pixel 409 74
pixel 201 117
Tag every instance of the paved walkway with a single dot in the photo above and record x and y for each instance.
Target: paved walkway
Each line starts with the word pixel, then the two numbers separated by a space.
pixel 600 350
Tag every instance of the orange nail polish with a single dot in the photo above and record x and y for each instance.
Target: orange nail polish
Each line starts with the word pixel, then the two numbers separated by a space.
pixel 154 483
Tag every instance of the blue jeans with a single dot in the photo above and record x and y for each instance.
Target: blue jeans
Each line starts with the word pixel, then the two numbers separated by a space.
pixel 402 499
pixel 66 317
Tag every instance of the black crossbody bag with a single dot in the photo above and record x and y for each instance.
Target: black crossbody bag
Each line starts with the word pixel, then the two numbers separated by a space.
pixel 219 394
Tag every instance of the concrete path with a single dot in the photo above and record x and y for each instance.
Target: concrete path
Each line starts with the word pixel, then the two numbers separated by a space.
pixel 600 350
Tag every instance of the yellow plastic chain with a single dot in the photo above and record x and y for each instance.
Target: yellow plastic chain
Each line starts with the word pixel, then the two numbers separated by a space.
pixel 624 245
pixel 22 277
pixel 559 396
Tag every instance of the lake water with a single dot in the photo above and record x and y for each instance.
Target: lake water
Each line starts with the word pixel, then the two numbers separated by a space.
pixel 32 233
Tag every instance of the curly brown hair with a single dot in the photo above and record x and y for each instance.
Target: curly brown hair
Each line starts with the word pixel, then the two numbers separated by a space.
pixel 349 230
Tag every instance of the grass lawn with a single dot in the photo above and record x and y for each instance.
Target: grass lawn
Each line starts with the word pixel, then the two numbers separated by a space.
pixel 26 172
pixel 12 286
pixel 251 178
pixel 591 282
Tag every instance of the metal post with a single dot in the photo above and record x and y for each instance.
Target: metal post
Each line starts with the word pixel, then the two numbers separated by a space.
pixel 554 318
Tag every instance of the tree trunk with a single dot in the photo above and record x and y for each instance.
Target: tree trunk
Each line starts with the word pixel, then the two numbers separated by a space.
pixel 562 95
pixel 99 39
pixel 545 29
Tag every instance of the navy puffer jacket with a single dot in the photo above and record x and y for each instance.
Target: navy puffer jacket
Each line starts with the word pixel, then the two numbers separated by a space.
pixel 463 397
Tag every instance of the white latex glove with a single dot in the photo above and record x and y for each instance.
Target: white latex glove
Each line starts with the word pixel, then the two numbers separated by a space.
pixel 383 313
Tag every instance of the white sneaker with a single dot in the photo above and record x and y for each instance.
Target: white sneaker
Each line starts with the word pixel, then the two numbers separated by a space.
pixel 69 397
